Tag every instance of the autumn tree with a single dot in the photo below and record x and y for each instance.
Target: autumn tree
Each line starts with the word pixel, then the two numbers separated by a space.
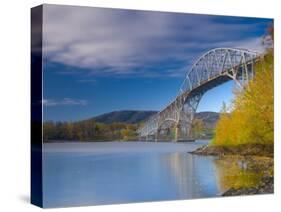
pixel 252 117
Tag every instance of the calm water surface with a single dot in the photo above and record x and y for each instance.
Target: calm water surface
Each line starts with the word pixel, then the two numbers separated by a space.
pixel 120 172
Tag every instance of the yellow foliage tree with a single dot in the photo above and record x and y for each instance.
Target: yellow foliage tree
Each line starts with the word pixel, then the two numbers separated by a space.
pixel 252 117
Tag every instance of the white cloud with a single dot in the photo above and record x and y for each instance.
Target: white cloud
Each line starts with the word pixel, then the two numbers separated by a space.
pixel 122 42
pixel 254 44
pixel 64 101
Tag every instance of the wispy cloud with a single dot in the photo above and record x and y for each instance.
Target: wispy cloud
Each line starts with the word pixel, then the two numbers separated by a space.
pixel 109 42
pixel 64 101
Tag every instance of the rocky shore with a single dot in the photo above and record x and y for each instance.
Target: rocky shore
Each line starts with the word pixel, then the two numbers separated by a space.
pixel 265 187
pixel 255 159
pixel 242 150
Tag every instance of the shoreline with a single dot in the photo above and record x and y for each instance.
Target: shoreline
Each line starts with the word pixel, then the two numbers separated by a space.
pixel 260 157
pixel 121 141
pixel 241 150
pixel 266 186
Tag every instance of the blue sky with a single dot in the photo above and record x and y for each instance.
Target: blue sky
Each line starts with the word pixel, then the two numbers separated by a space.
pixel 101 60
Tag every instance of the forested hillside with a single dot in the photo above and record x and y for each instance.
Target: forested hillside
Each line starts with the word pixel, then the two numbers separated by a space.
pixel 118 125
pixel 125 116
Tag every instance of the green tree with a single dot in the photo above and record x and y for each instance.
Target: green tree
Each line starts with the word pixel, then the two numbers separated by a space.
pixel 197 128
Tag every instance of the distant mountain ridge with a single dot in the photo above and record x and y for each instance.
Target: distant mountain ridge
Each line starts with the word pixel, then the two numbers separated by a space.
pixel 124 116
pixel 209 118
pixel 133 116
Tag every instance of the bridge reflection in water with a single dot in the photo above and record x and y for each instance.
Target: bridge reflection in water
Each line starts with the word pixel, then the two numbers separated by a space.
pixel 189 174
pixel 215 67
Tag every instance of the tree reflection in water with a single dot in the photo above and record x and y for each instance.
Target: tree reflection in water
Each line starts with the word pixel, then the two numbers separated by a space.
pixel 241 172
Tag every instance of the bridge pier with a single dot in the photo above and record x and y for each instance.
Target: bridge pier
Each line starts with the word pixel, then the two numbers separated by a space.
pixel 157 135
pixel 177 131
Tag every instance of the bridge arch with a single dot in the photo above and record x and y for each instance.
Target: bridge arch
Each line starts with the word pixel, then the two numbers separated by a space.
pixel 166 121
pixel 213 68
pixel 216 62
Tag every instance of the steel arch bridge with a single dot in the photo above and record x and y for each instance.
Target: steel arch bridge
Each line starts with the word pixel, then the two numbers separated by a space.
pixel 213 68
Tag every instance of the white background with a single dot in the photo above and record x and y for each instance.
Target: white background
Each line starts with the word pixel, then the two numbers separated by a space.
pixel 15 98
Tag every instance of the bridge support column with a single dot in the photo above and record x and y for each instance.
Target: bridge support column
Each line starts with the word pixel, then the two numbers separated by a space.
pixel 156 135
pixel 177 132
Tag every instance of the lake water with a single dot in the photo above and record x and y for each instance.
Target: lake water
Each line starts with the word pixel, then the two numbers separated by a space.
pixel 97 173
